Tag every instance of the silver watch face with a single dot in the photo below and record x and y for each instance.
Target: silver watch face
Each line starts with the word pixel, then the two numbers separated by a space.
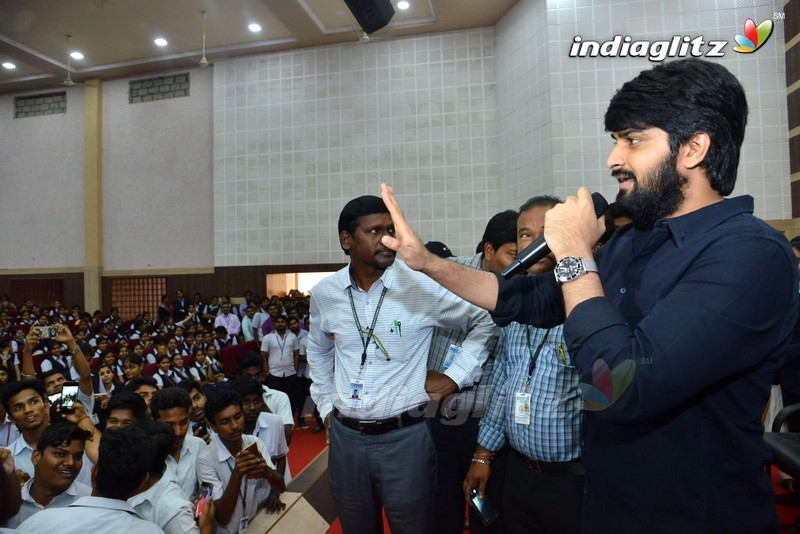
pixel 568 268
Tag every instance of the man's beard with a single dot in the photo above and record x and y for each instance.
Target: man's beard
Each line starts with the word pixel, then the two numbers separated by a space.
pixel 658 196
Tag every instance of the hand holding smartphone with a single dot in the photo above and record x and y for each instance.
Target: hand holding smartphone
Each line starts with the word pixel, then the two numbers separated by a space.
pixel 205 495
pixel 483 507
pixel 69 395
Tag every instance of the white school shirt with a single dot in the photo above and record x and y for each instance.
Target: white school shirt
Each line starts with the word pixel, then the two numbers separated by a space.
pixel 281 353
pixel 269 429
pixel 413 306
pixel 184 471
pixel 278 403
pixel 8 433
pixel 29 506
pixel 87 514
pixel 165 504
pixel 215 466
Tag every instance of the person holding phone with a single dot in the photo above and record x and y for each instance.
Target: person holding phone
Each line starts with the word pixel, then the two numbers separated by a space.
pixel 236 465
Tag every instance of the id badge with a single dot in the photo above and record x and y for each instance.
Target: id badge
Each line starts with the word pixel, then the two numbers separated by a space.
pixel 356 394
pixel 452 352
pixel 522 408
pixel 243 522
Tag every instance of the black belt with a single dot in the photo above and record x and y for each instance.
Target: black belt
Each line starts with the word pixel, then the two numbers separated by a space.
pixel 371 427
pixel 573 467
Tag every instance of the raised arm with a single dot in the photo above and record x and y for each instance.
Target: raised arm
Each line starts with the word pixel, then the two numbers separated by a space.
pixel 79 361
pixel 473 285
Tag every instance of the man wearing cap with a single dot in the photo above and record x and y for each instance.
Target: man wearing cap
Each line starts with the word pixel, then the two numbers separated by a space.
pixel 440 249
pixel 371 329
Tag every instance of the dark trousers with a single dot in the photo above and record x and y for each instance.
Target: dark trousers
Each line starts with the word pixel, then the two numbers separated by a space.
pixel 541 502
pixel 455 442
pixel 395 470
pixel 287 384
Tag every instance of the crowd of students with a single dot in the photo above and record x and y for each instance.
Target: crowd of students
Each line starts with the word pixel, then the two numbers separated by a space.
pixel 77 389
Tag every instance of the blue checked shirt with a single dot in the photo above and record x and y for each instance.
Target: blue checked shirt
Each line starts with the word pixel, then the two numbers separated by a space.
pixel 554 432
pixel 474 397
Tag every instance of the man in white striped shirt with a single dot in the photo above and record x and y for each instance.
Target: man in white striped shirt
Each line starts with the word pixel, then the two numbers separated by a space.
pixel 382 315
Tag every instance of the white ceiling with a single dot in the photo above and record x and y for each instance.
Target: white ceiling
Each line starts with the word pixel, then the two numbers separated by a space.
pixel 116 36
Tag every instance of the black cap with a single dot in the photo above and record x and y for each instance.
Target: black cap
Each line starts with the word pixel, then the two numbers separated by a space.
pixel 439 248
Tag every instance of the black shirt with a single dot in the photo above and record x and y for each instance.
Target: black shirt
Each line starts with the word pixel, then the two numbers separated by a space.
pixel 682 350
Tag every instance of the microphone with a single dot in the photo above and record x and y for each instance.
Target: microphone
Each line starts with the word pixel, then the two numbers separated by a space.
pixel 539 249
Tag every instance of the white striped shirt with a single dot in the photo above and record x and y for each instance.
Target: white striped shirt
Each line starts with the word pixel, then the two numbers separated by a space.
pixel 413 306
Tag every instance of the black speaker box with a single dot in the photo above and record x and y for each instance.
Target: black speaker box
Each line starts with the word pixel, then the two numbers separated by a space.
pixel 372 15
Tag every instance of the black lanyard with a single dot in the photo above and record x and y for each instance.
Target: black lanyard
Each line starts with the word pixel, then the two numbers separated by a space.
pixel 365 342
pixel 533 355
pixel 242 496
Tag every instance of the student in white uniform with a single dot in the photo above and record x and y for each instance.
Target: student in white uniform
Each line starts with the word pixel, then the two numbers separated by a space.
pixel 171 406
pixel 121 471
pixel 57 461
pixel 163 502
pixel 241 477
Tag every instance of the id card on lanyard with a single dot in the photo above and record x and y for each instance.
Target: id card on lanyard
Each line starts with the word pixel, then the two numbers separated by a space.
pixel 522 399
pixel 245 519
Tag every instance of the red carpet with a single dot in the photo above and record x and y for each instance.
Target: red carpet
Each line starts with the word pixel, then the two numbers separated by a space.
pixel 787 515
pixel 305 447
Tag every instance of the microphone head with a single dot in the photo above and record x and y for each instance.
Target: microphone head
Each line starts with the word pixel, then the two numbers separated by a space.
pixel 600 204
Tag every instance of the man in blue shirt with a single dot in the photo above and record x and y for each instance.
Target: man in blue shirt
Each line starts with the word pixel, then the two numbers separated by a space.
pixel 678 328
pixel 535 408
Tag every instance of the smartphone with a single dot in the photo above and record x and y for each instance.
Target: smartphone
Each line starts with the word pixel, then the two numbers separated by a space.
pixel 46 332
pixel 69 395
pixel 205 494
pixel 483 507
pixel 253 448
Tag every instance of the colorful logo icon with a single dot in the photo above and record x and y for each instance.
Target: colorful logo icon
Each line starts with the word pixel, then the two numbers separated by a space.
pixel 754 36
pixel 607 385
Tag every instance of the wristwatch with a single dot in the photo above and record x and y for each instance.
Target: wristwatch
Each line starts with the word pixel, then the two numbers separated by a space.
pixel 570 268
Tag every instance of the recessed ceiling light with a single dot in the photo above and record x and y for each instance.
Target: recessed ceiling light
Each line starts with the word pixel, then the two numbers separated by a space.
pixel 9 66
pixel 403 4
pixel 76 55
pixel 161 41
pixel 255 28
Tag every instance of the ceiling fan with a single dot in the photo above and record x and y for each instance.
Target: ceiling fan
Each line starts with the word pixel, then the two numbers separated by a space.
pixel 68 80
pixel 203 61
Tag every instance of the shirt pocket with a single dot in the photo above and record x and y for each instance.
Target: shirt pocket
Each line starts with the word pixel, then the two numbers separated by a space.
pixel 399 338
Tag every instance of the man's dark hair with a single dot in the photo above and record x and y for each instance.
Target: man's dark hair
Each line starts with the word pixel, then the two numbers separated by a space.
pixel 125 457
pixel 127 400
pixel 539 201
pixel 249 359
pixel 14 388
pixel 134 359
pixel 357 208
pixel 795 243
pixel 682 98
pixel 246 386
pixel 56 434
pixel 140 381
pixel 189 385
pixel 501 229
pixel 51 372
pixel 169 398
pixel 163 436
pixel 220 401
pixel 221 330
